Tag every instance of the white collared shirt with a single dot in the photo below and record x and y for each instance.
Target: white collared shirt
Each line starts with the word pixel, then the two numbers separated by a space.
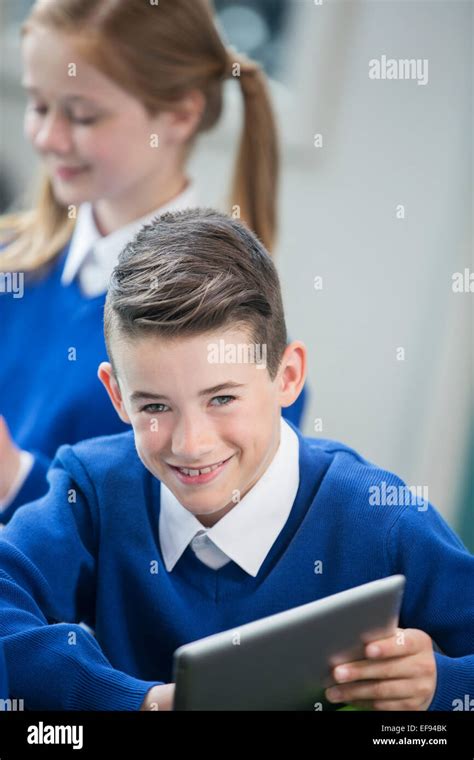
pixel 92 256
pixel 236 536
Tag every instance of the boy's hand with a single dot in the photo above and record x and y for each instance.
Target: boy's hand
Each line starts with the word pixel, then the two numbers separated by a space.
pixel 9 459
pixel 159 698
pixel 401 676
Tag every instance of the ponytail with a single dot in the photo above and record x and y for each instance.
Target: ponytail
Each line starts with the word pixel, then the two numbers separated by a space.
pixel 255 181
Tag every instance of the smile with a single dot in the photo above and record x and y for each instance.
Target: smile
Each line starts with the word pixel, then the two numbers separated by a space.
pixel 195 476
pixel 65 172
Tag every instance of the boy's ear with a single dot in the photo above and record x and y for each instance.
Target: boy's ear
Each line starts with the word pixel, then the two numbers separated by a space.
pixel 107 377
pixel 292 372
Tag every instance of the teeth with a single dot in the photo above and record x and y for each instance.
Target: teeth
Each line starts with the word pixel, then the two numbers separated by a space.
pixel 193 473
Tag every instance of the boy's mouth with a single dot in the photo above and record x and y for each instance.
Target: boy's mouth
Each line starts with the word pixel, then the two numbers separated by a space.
pixel 194 476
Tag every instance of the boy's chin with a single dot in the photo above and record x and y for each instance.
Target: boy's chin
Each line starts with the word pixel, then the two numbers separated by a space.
pixel 206 512
pixel 201 504
pixel 198 504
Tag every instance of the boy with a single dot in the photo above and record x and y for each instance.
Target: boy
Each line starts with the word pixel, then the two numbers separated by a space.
pixel 213 511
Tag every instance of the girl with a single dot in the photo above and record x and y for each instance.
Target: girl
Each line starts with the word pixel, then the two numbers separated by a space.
pixel 118 92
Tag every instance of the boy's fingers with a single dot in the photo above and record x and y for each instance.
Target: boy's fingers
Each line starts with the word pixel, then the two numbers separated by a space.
pixel 363 670
pixel 403 642
pixel 379 650
pixel 371 690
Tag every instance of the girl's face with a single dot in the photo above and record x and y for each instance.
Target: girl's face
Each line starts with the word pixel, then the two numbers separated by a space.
pixel 96 140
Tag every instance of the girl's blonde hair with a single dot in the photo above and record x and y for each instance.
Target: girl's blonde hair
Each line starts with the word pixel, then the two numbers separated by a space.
pixel 156 52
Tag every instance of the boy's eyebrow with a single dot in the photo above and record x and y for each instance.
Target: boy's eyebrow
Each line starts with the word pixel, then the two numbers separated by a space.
pixel 139 395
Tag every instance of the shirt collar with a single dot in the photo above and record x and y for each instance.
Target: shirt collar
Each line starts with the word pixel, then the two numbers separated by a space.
pixel 267 505
pixel 86 240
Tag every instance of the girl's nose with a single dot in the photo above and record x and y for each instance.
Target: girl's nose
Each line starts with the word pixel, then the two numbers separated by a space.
pixel 54 135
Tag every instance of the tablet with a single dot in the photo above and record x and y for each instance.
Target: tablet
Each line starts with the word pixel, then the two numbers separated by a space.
pixel 284 661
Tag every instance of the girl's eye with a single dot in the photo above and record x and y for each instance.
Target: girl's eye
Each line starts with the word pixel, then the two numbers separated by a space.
pixel 153 408
pixel 223 400
pixel 84 121
pixel 37 109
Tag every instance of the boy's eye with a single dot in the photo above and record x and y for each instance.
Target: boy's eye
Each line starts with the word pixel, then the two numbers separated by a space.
pixel 153 408
pixel 158 408
pixel 223 400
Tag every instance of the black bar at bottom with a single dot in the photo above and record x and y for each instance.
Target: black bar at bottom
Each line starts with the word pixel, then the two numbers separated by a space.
pixel 361 734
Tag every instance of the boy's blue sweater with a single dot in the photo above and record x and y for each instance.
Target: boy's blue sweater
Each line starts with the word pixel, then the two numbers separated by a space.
pixel 87 551
pixel 51 344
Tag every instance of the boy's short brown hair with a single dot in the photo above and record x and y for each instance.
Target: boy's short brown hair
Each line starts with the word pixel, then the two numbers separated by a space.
pixel 194 271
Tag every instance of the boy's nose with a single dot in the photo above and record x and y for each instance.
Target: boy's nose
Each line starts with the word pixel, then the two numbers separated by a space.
pixel 191 441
